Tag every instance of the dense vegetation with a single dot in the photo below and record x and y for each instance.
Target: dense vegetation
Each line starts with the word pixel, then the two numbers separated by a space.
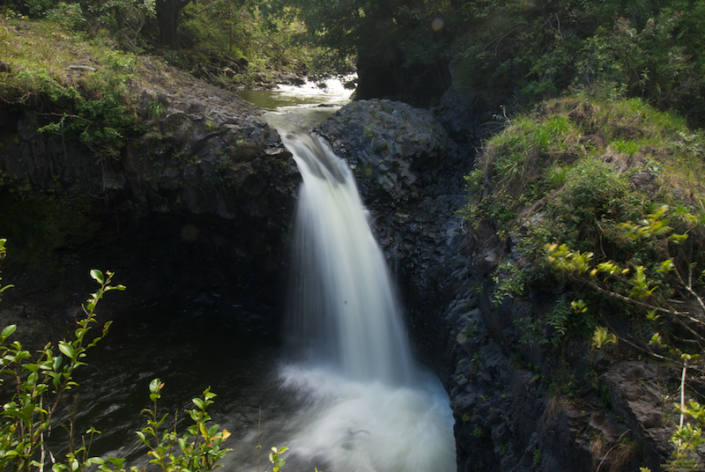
pixel 519 51
pixel 204 37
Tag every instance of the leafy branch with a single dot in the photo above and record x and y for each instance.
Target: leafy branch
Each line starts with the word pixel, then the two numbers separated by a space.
pixel 24 419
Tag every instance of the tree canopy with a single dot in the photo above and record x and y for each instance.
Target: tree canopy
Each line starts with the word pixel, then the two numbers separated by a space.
pixel 414 49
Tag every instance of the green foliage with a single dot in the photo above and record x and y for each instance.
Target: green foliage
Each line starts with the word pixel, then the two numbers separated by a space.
pixel 644 292
pixel 474 180
pixel 628 251
pixel 96 109
pixel 651 239
pixel 67 15
pixel 652 50
pixel 559 319
pixel 584 187
pixel 275 459
pixel 532 331
pixel 477 431
pixel 627 146
pixel 32 7
pixel 602 337
pixel 156 110
pixel 536 458
pixel 268 37
pixel 649 60
pixel 2 256
pixel 125 20
pixel 523 147
pixel 511 281
pixel 200 445
pixel 38 385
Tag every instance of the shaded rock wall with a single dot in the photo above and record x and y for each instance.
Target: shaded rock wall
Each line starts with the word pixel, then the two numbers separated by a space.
pixel 201 200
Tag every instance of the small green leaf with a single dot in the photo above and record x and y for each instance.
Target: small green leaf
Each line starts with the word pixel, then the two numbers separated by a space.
pixel 7 331
pixel 155 385
pixel 67 349
pixel 655 339
pixel 17 414
pixel 98 276
pixel 32 379
pixel 115 461
pixel 115 287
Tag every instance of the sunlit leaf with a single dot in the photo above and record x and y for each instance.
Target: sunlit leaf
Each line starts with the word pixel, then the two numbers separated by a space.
pixel 98 276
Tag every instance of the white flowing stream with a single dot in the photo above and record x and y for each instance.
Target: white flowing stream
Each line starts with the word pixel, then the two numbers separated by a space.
pixel 367 405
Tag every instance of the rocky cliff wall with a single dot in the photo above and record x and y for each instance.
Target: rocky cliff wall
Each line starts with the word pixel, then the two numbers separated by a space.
pixel 201 200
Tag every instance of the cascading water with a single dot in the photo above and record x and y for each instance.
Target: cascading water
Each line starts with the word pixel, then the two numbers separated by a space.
pixel 368 407
pixel 343 303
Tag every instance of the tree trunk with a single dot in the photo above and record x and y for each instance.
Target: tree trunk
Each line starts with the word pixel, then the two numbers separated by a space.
pixel 168 20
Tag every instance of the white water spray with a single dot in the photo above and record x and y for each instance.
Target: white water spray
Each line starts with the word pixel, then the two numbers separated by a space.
pixel 368 407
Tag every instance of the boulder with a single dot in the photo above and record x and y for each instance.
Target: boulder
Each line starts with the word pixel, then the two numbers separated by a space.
pixel 390 146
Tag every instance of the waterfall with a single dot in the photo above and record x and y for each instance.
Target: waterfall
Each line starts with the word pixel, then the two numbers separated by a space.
pixel 366 405
pixel 344 307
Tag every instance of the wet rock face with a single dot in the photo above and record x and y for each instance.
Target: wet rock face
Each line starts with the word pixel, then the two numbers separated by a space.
pixel 636 396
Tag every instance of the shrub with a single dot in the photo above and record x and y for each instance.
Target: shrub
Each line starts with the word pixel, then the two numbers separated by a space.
pixel 69 16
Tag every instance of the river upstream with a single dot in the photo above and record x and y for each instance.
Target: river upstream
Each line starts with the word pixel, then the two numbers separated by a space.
pixel 340 388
